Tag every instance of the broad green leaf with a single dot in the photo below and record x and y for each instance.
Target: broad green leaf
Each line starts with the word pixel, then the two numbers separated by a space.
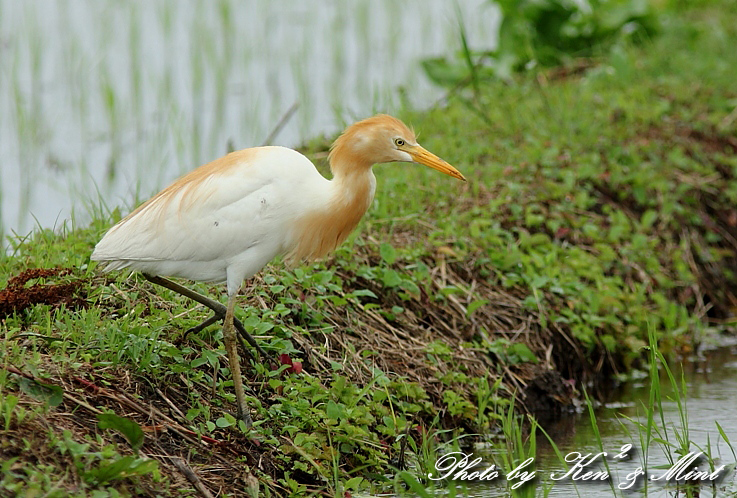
pixel 334 410
pixel 129 428
pixel 388 253
pixel 225 421
pixel 49 393
pixel 391 278
pixel 522 351
pixel 364 293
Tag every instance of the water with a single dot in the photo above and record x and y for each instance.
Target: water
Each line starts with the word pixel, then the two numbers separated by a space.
pixel 116 99
pixel 711 388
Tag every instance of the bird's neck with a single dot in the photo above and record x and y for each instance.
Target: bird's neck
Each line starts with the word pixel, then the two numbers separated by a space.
pixel 349 196
pixel 353 183
pixel 352 192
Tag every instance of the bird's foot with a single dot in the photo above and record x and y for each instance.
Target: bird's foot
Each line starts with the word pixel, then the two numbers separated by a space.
pixel 246 418
pixel 217 316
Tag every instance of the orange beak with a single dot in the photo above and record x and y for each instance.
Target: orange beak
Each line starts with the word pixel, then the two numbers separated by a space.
pixel 422 156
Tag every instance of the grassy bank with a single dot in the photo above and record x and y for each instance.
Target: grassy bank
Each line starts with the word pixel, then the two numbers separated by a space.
pixel 600 206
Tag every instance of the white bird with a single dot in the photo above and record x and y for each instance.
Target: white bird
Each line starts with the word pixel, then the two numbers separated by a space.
pixel 224 221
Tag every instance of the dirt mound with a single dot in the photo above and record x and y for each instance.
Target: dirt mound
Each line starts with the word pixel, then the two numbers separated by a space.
pixel 16 296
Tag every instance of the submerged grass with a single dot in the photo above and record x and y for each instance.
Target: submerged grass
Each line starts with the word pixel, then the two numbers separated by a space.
pixel 599 215
pixel 83 103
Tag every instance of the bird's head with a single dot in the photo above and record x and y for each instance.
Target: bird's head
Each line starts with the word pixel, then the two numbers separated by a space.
pixel 383 139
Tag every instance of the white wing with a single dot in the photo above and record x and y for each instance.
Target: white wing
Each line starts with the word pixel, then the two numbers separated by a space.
pixel 231 213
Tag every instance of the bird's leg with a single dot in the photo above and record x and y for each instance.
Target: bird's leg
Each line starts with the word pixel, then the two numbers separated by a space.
pixel 218 308
pixel 235 366
pixel 215 306
pixel 202 326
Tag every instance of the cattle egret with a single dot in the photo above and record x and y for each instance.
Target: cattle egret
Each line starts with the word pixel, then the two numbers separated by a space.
pixel 225 220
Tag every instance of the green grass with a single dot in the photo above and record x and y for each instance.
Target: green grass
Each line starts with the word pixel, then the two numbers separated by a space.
pixel 596 220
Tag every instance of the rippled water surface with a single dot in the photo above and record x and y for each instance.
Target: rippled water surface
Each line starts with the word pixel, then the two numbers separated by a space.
pixel 711 387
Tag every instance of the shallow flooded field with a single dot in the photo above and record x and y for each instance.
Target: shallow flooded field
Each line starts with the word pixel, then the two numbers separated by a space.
pixel 114 100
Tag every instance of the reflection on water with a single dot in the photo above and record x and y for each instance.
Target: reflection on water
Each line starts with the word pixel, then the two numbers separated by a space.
pixel 711 388
pixel 122 97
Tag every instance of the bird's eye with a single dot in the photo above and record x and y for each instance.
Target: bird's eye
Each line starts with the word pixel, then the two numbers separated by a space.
pixel 398 142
